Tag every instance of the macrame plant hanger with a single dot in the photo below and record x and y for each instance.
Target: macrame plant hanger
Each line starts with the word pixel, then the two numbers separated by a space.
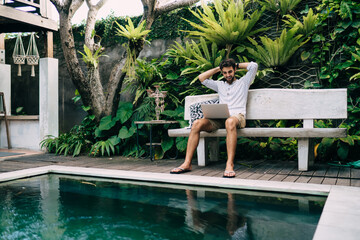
pixel 19 53
pixel 32 54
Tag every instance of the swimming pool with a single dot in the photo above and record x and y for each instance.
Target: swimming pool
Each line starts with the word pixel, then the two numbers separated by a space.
pixel 68 207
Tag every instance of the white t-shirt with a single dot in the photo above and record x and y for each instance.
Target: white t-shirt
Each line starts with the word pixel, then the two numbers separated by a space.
pixel 234 94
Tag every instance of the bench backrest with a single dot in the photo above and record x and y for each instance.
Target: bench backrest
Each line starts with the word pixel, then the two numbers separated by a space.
pixel 273 103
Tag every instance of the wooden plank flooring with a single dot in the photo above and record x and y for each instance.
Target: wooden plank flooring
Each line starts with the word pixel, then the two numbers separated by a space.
pixel 282 171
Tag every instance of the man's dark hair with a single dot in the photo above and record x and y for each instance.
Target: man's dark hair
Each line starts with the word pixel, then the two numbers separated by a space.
pixel 228 63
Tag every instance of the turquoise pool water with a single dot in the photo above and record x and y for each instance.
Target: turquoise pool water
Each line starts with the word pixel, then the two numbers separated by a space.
pixel 65 207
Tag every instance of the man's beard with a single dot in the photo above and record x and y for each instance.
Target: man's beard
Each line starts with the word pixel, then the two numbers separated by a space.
pixel 231 80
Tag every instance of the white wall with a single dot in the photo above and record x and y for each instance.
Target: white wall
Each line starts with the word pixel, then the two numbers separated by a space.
pixel 24 134
pixel 5 85
pixel 49 97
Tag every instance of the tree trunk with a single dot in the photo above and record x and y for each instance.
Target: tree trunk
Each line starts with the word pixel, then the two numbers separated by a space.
pixel 90 88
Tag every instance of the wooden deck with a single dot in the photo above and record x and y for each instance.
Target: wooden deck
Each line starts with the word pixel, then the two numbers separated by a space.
pixel 283 171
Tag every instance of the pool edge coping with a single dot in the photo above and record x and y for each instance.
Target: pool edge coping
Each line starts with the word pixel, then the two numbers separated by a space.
pixel 333 223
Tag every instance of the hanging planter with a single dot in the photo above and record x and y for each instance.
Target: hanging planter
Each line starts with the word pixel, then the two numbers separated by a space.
pixel 32 54
pixel 19 53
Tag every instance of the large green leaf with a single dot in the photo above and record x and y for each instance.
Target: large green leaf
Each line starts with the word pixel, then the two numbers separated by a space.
pixel 126 133
pixel 106 123
pixel 124 112
pixel 349 140
pixel 172 76
pixel 181 143
pixel 167 143
pixel 114 140
pixel 327 142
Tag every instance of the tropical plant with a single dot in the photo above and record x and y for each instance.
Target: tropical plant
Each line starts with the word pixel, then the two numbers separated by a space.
pixel 202 59
pixel 343 8
pixel 50 143
pixel 96 140
pixel 271 5
pixel 335 50
pixel 275 53
pixel 106 124
pixel 78 140
pixel 340 145
pixel 309 24
pixel 148 73
pixel 136 37
pixel 357 58
pixel 120 125
pixel 281 7
pixel 356 75
pixel 232 26
pixel 132 33
pixel 107 145
pixel 179 52
pixel 92 59
pixel 336 43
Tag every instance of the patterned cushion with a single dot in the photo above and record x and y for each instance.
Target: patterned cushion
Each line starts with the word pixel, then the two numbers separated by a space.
pixel 196 111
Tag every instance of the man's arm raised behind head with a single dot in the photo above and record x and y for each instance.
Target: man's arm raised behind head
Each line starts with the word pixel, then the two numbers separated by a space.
pixel 205 75
pixel 243 65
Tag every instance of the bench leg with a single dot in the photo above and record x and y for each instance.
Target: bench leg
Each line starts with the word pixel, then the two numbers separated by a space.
pixel 207 147
pixel 214 149
pixel 305 154
pixel 202 152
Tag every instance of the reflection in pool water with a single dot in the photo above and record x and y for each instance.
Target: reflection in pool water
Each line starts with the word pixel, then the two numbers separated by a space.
pixel 64 207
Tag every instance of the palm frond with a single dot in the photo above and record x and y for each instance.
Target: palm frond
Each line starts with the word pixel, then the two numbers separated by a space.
pixel 309 24
pixel 131 32
pixel 201 57
pixel 274 53
pixel 92 59
pixel 281 7
pixel 231 26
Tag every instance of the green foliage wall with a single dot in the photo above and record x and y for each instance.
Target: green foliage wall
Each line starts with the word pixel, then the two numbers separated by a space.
pixel 330 48
pixel 169 26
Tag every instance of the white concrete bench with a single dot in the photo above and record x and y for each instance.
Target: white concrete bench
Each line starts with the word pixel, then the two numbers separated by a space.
pixel 278 104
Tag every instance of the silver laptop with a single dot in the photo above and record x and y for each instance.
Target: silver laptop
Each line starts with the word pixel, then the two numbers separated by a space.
pixel 215 111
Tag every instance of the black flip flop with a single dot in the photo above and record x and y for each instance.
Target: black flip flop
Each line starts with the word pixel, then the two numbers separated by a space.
pixel 227 172
pixel 182 170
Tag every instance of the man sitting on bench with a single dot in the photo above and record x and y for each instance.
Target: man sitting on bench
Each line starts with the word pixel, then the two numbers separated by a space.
pixel 232 92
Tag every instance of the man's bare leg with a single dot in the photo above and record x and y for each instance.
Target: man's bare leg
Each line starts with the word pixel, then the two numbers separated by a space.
pixel 193 141
pixel 231 142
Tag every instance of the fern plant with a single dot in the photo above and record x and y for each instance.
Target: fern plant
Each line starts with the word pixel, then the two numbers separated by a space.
pixel 271 5
pixel 275 53
pixel 179 52
pixel 281 7
pixel 232 26
pixel 310 21
pixel 202 59
pixel 136 37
